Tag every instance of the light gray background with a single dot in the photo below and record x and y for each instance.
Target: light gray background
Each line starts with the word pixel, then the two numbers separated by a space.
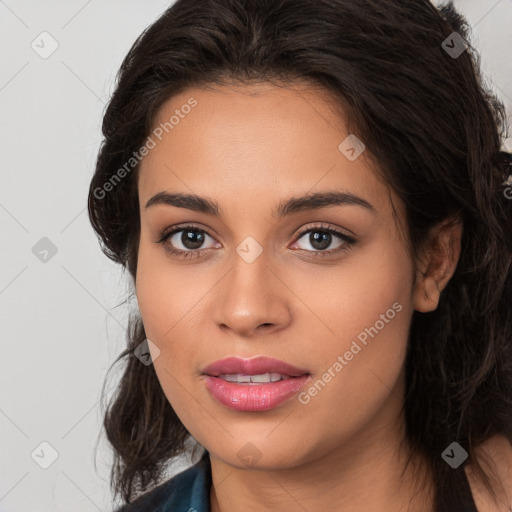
pixel 60 328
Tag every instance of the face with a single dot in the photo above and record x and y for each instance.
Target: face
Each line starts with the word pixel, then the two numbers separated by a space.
pixel 324 286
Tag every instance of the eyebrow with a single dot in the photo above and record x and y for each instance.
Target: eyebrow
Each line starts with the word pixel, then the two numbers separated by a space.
pixel 289 206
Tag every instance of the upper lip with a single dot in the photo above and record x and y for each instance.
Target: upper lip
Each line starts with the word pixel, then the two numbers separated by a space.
pixel 254 366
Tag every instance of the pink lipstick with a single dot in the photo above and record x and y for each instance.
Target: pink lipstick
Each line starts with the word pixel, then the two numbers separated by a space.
pixel 256 384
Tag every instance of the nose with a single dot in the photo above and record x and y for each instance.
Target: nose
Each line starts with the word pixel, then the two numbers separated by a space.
pixel 252 300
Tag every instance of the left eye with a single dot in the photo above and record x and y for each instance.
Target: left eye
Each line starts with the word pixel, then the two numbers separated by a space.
pixel 321 238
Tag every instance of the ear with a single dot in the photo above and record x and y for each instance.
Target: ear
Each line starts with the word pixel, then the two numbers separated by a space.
pixel 436 264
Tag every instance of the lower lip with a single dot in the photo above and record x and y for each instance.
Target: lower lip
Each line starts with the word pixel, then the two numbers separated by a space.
pixel 254 397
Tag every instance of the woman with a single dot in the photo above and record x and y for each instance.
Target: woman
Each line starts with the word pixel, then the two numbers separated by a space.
pixel 310 197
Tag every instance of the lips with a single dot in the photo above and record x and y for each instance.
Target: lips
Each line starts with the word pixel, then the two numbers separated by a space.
pixel 253 385
pixel 255 366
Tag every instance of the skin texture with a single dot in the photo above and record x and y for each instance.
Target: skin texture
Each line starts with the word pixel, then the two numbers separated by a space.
pixel 249 148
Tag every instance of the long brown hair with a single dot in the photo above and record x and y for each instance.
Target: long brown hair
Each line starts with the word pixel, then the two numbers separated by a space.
pixel 435 129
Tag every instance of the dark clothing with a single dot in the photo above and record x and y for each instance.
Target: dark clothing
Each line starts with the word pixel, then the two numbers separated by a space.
pixel 189 491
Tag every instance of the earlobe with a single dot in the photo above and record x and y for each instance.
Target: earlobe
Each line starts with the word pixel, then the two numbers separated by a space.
pixel 426 295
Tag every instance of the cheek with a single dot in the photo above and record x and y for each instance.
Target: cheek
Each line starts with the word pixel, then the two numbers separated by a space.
pixel 170 298
pixel 165 298
pixel 153 295
pixel 165 292
pixel 367 309
pixel 368 312
pixel 356 303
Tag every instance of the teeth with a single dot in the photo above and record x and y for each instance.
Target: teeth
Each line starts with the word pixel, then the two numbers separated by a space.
pixel 264 377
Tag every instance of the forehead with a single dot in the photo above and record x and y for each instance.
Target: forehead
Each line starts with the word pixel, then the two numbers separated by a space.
pixel 247 144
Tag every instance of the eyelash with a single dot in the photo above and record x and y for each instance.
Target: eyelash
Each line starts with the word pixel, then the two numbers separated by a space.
pixel 348 240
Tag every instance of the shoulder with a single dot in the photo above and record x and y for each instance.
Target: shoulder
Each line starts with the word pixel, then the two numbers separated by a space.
pixel 151 500
pixel 498 452
pixel 188 489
